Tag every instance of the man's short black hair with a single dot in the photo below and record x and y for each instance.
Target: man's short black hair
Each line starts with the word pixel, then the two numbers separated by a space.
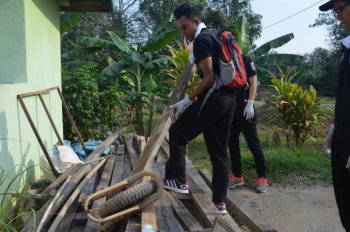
pixel 187 10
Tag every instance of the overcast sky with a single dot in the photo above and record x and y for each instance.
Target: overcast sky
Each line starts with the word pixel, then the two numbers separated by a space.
pixel 306 38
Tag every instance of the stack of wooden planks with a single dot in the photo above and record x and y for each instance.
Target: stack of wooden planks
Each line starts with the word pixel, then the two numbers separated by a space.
pixel 172 212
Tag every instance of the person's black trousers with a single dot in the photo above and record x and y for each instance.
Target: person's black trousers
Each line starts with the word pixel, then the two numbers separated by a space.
pixel 248 127
pixel 340 151
pixel 215 123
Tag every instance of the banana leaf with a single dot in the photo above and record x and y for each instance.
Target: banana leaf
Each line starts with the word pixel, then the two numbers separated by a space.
pixel 278 59
pixel 77 52
pixel 119 42
pixel 157 42
pixel 113 70
pixel 97 43
pixel 69 19
pixel 275 43
pixel 241 29
pixel 155 63
pixel 163 24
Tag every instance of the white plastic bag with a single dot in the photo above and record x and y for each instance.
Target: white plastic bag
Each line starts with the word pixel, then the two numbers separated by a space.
pixel 67 155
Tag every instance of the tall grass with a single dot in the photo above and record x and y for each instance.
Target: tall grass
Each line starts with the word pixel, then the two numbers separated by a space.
pixel 285 165
pixel 11 193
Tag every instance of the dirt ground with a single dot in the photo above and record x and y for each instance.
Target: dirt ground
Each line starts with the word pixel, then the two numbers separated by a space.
pixel 293 209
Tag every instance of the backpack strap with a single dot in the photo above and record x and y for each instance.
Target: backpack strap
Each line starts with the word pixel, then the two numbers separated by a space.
pixel 233 53
pixel 210 91
pixel 217 83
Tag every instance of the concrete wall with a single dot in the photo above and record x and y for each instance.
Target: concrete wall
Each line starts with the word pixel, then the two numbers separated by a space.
pixel 29 61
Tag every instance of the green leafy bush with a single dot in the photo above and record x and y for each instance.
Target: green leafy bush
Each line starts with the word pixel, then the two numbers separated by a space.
pixel 299 110
pixel 94 111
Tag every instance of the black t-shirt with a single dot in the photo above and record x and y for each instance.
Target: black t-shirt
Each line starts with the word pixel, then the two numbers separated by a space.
pixel 251 71
pixel 205 46
pixel 342 105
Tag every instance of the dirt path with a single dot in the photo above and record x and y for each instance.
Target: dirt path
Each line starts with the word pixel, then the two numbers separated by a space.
pixel 293 209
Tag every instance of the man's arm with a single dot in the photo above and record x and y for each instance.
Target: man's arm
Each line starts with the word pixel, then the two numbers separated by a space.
pixel 249 108
pixel 206 66
pixel 253 84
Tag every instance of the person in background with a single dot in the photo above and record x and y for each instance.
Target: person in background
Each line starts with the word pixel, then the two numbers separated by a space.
pixel 340 144
pixel 214 119
pixel 244 120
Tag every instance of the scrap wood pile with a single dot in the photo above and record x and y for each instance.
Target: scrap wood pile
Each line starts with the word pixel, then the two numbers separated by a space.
pixel 64 209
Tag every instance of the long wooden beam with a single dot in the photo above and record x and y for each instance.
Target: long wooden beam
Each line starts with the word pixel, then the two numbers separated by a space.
pixel 201 194
pixel 157 137
pixel 235 210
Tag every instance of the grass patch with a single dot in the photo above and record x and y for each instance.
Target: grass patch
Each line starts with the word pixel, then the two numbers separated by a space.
pixel 285 165
pixel 327 100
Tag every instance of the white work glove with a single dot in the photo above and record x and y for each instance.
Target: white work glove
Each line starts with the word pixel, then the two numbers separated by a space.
pixel 329 139
pixel 348 164
pixel 249 110
pixel 180 106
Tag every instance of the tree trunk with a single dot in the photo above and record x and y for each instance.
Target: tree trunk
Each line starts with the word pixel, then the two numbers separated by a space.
pixel 139 119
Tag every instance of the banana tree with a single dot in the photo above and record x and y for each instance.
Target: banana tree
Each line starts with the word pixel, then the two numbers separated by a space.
pixel 262 54
pixel 134 68
pixel 69 19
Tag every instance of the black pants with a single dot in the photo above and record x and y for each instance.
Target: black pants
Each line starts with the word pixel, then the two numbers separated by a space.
pixel 215 122
pixel 341 179
pixel 248 127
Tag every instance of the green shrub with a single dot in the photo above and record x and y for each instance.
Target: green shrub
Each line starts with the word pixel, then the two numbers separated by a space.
pixel 299 110
pixel 94 109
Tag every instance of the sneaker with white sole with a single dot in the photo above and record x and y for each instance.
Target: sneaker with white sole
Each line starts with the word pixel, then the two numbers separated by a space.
pixel 175 185
pixel 235 181
pixel 221 207
pixel 261 185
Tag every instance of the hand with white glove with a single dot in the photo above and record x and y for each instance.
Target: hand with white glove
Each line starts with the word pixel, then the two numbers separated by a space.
pixel 180 106
pixel 329 138
pixel 249 110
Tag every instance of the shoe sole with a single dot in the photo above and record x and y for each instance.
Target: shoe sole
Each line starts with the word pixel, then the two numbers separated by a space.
pixel 262 191
pixel 176 189
pixel 223 212
pixel 235 185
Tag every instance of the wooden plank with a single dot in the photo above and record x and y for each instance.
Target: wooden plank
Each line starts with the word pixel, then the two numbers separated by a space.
pixel 148 215
pixel 104 183
pixel 73 196
pixel 130 152
pixel 183 215
pixel 89 188
pixel 48 208
pixel 117 175
pixel 218 227
pixel 69 172
pixel 141 142
pixel 134 224
pixel 68 218
pixel 234 208
pixel 76 178
pixel 120 149
pixel 164 123
pixel 166 220
pixel 202 197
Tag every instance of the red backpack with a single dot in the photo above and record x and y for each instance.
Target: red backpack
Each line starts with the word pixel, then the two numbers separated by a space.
pixel 231 64
pixel 232 70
